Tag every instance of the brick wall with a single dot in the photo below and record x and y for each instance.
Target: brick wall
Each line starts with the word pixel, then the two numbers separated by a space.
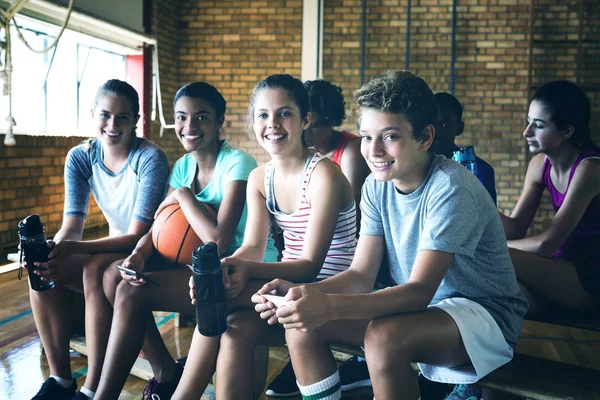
pixel 32 182
pixel 491 67
pixel 234 44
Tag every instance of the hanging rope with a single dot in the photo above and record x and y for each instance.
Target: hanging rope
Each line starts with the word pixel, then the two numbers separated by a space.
pixel 157 95
pixel 6 74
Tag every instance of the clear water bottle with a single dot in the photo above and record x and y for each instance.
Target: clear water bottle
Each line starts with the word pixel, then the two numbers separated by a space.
pixel 35 249
pixel 466 157
pixel 209 290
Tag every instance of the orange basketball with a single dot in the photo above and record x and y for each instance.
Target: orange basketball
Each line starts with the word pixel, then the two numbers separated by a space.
pixel 172 235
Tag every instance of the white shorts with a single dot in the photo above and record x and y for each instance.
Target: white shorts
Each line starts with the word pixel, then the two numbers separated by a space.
pixel 483 341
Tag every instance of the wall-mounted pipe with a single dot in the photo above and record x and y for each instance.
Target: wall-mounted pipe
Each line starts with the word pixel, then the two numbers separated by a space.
pixel 363 42
pixel 407 50
pixel 453 47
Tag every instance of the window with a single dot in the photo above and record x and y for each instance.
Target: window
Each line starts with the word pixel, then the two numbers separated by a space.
pixel 53 92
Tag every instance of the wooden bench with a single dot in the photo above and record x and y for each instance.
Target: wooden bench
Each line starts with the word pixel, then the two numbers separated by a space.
pixel 531 377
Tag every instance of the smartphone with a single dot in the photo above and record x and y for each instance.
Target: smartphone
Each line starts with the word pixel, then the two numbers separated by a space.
pixel 278 301
pixel 131 272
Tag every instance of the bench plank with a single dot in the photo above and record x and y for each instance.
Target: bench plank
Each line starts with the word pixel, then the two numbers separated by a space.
pixel 531 377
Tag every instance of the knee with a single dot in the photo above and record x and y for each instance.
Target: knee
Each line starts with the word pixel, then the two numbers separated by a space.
pixel 386 344
pixel 93 271
pixel 242 330
pixel 128 296
pixel 111 277
pixel 297 341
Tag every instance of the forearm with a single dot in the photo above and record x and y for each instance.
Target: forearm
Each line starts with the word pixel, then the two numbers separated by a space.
pixel 534 244
pixel 297 271
pixel 250 253
pixel 511 227
pixel 67 234
pixel 347 282
pixel 399 299
pixel 117 244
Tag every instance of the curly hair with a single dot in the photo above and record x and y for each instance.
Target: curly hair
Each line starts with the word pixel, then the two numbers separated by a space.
pixel 400 92
pixel 326 99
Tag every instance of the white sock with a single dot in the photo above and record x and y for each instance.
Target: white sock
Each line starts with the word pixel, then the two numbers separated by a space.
pixel 329 388
pixel 88 392
pixel 62 381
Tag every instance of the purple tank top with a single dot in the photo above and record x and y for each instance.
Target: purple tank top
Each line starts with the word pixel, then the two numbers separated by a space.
pixel 583 242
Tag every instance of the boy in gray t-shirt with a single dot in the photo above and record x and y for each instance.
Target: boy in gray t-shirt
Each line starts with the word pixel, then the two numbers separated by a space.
pixel 454 306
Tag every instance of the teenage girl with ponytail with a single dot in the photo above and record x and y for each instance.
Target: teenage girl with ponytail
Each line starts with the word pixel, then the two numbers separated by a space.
pixel 559 266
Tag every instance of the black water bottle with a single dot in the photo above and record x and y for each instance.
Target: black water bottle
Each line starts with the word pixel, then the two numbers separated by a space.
pixel 209 290
pixel 35 249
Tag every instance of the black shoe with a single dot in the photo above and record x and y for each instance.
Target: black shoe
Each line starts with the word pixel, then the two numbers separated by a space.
pixel 354 374
pixel 431 390
pixel 51 390
pixel 284 385
pixel 156 390
pixel 80 396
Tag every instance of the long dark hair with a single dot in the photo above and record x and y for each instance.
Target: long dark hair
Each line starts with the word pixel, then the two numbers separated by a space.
pixel 568 105
pixel 292 86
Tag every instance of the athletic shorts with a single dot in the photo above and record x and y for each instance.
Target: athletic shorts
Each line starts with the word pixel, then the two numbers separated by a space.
pixel 483 340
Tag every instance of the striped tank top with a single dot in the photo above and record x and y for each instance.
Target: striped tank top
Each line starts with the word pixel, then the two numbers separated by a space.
pixel 340 253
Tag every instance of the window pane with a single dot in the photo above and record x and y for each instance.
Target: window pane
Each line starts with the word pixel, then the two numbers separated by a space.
pixel 96 67
pixel 63 106
pixel 28 76
pixel 61 90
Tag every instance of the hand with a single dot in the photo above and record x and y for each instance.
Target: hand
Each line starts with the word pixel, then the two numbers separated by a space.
pixel 192 289
pixel 267 309
pixel 48 271
pixel 309 309
pixel 136 262
pixel 64 248
pixel 235 276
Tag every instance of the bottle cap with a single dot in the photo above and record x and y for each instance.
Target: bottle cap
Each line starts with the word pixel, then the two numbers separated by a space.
pixel 464 154
pixel 205 258
pixel 31 226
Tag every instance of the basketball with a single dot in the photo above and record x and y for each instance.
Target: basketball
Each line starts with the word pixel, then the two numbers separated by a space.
pixel 172 235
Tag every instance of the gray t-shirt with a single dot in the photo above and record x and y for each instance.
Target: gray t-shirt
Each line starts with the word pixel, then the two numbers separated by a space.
pixel 134 192
pixel 450 212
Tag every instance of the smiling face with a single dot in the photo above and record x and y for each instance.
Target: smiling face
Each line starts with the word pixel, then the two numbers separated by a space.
pixel 391 151
pixel 114 120
pixel 196 124
pixel 277 122
pixel 541 132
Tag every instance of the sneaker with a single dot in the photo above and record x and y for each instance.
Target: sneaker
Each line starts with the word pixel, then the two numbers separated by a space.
pixel 465 392
pixel 80 396
pixel 354 374
pixel 431 390
pixel 156 390
pixel 284 385
pixel 51 390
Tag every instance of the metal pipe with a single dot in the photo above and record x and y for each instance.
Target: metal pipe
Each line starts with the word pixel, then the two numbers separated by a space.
pixel 363 42
pixel 453 47
pixel 408 9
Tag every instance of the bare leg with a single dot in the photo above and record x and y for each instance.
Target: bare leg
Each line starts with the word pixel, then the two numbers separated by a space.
pixel 98 311
pixel 132 319
pixel 163 365
pixel 309 351
pixel 52 320
pixel 550 281
pixel 202 358
pixel 235 365
pixel 391 344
